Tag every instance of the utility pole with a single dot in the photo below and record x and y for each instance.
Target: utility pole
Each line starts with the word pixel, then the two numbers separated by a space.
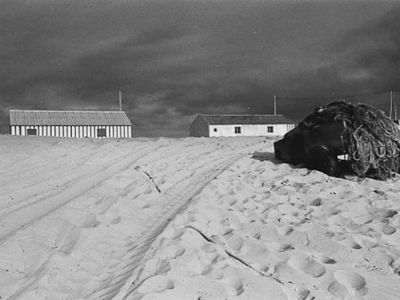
pixel 391 104
pixel 274 105
pixel 395 108
pixel 120 100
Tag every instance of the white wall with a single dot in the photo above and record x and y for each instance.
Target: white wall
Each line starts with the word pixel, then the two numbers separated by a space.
pixel 250 130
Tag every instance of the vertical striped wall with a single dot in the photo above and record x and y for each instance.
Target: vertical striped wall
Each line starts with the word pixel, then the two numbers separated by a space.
pixel 74 131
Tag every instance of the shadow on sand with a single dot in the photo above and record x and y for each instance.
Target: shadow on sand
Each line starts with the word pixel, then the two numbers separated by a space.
pixel 263 156
pixel 270 156
pixel 344 169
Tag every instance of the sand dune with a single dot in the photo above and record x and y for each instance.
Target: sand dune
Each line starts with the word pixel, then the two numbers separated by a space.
pixel 188 219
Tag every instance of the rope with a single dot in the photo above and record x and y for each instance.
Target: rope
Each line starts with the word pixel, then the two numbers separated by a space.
pixel 373 139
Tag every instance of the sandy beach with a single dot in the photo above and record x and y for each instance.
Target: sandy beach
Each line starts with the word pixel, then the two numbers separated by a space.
pixel 189 218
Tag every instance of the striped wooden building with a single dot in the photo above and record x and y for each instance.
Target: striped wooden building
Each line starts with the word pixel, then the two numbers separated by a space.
pixel 71 124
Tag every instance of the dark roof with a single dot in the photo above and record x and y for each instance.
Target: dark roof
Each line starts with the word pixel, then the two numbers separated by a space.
pixel 245 119
pixel 51 117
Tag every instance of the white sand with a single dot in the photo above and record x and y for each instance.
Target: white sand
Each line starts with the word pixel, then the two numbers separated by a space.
pixel 188 219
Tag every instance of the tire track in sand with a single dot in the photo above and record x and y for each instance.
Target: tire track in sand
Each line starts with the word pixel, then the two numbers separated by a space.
pixel 179 198
pixel 135 252
pixel 30 279
pixel 101 174
pixel 64 183
pixel 27 214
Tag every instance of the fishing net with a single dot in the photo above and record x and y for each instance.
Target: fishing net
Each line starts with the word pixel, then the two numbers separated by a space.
pixel 372 139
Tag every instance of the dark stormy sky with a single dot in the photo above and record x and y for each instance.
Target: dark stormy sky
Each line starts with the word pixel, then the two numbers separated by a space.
pixel 175 59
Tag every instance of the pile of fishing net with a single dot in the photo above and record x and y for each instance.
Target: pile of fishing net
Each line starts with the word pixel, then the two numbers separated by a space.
pixel 370 138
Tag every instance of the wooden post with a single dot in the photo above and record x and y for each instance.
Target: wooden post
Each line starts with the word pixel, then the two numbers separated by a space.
pixel 120 100
pixel 274 105
pixel 391 104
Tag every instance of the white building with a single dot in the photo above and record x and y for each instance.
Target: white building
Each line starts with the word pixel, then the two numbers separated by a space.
pixel 240 125
pixel 71 124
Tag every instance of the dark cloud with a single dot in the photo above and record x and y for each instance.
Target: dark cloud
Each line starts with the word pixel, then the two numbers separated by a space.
pixel 174 59
pixel 375 50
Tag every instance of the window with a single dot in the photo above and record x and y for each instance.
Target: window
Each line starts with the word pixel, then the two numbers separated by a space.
pixel 270 129
pixel 31 131
pixel 215 130
pixel 101 132
pixel 238 129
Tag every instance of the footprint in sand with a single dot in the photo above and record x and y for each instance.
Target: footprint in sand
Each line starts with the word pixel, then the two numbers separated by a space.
pixel 234 242
pixel 387 229
pixel 396 271
pixel 355 245
pixel 282 247
pixel 234 283
pixel 256 253
pixel 149 190
pixel 385 213
pixel 162 267
pixel 209 248
pixel 347 282
pixel 286 229
pixel 115 220
pixel 307 265
pixel 206 269
pixel 316 202
pixel 303 293
pixel 90 221
pixel 337 290
pixel 327 260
